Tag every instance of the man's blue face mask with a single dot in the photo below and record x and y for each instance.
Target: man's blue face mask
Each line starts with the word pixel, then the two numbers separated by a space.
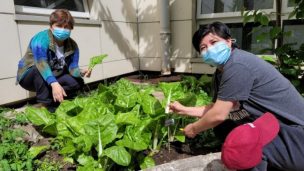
pixel 216 55
pixel 61 34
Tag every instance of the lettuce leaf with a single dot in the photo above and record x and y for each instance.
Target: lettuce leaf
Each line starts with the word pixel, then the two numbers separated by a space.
pixel 96 60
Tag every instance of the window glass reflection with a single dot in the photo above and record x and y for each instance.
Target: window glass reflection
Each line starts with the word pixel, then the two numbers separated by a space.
pixel 220 6
pixel 72 5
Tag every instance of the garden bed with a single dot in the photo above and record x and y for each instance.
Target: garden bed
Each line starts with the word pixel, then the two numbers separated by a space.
pixel 120 126
pixel 179 151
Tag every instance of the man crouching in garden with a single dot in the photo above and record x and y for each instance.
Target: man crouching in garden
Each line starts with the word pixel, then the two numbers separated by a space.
pixel 242 79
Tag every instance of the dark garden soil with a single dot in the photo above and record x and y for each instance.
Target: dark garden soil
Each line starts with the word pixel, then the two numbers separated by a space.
pixel 165 155
pixel 37 138
pixel 178 151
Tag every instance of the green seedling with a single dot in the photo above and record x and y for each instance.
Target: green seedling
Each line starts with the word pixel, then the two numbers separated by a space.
pixel 96 60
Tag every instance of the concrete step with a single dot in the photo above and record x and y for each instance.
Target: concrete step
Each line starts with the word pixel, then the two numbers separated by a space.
pixel 209 162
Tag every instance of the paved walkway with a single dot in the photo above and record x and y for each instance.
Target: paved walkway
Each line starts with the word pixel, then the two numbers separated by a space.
pixel 209 162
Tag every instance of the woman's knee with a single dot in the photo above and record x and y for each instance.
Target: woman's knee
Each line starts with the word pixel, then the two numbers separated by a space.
pixel 70 83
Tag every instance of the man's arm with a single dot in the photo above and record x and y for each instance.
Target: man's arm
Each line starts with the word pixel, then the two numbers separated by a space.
pixel 214 116
pixel 198 111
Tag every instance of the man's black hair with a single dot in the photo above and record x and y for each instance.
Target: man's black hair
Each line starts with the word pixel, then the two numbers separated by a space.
pixel 217 28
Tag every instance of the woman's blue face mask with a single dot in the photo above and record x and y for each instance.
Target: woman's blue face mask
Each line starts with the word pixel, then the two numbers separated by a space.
pixel 61 34
pixel 216 55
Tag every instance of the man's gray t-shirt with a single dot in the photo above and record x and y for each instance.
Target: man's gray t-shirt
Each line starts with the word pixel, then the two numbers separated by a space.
pixel 250 80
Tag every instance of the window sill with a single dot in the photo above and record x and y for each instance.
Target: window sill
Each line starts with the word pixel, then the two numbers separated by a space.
pixel 35 18
pixel 196 60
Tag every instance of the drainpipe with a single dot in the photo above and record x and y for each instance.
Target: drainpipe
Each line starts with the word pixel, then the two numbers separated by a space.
pixel 165 35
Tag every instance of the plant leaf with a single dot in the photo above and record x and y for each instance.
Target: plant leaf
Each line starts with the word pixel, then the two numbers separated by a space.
pixel 35 150
pixel 96 60
pixel 119 155
pixel 39 116
pixel 147 162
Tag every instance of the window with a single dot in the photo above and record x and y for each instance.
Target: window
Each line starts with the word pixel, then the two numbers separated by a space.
pixel 291 3
pixel 247 40
pixel 229 12
pixel 78 8
pixel 221 6
pixel 297 31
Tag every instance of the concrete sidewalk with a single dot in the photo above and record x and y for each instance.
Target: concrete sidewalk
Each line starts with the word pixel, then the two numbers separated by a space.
pixel 209 162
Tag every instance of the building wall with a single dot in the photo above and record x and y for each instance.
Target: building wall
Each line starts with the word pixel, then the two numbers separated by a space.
pixel 183 25
pixel 10 53
pixel 128 31
pixel 118 35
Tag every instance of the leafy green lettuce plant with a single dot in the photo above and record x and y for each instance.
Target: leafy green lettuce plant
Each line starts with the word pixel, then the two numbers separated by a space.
pixel 112 126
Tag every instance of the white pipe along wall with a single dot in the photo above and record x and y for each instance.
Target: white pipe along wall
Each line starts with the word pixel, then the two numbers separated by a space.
pixel 165 35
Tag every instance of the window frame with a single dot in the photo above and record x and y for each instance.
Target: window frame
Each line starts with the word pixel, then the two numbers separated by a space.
pixel 225 14
pixel 20 9
pixel 286 11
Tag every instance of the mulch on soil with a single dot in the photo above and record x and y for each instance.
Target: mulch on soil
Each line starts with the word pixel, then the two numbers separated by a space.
pixel 153 79
pixel 178 151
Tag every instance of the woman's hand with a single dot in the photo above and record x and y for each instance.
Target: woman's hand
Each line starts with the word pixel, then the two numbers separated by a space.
pixel 176 107
pixel 58 92
pixel 85 73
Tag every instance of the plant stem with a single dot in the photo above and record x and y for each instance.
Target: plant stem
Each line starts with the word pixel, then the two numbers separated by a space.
pixel 169 139
pixel 155 138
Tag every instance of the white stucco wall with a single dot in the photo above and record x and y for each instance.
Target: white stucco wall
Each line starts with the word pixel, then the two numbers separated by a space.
pixel 128 31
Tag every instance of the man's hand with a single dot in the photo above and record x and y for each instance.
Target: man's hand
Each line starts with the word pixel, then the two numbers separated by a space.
pixel 213 117
pixel 176 107
pixel 190 131
pixel 198 111
pixel 85 73
pixel 58 92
